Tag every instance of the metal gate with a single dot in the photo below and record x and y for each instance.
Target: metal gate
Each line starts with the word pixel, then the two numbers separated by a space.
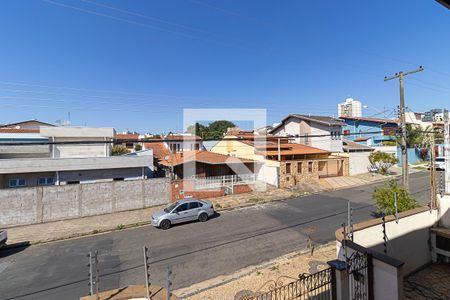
pixel 331 168
pixel 319 286
pixel 360 276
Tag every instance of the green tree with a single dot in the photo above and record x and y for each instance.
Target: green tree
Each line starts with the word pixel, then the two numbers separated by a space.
pixel 119 150
pixel 198 129
pixel 138 147
pixel 384 198
pixel 382 161
pixel 214 130
pixel 415 135
pixel 217 129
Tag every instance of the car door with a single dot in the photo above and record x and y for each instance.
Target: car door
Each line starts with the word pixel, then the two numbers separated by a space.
pixel 193 209
pixel 179 214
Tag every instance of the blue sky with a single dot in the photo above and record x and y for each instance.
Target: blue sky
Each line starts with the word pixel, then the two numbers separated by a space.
pixel 136 64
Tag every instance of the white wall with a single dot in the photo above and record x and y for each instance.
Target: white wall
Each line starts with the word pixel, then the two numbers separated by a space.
pixel 292 127
pixel 80 150
pixel 444 210
pixel 269 174
pixel 387 149
pixel 387 279
pixel 332 144
pixel 408 240
pixel 186 145
pixel 358 162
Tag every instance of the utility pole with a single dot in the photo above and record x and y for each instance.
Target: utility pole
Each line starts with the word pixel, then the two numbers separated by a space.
pixel 400 75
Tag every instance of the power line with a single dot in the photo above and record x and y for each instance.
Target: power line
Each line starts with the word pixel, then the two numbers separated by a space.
pixel 154 18
pixel 88 11
pixel 255 139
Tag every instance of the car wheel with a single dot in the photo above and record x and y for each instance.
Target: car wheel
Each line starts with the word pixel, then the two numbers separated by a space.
pixel 165 224
pixel 203 217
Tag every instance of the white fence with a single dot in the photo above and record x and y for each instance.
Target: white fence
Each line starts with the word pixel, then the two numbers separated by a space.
pixel 222 181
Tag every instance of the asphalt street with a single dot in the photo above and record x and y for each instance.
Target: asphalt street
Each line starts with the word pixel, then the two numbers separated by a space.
pixel 195 251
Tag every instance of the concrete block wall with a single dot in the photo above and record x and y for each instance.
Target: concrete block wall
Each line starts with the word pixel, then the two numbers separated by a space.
pixel 41 204
pixel 60 203
pixel 18 207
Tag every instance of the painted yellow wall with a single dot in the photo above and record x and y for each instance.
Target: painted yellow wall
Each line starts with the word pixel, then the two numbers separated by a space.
pixel 242 150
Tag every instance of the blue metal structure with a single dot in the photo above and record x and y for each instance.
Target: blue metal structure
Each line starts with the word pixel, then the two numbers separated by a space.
pixel 369 131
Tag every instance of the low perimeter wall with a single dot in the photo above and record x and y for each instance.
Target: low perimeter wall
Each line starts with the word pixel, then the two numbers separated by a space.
pixel 52 203
pixel 185 188
pixel 407 240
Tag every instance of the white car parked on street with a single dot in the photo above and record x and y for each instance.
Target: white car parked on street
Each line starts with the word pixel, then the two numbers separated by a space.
pixel 439 163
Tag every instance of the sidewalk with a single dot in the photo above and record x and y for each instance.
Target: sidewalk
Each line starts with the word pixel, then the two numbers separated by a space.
pixel 53 231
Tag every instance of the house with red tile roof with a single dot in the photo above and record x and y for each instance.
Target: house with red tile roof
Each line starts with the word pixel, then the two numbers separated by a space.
pixel 201 173
pixel 127 140
pixel 316 131
pixel 283 163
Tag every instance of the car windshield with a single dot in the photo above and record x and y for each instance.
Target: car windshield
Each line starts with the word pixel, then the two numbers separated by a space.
pixel 440 159
pixel 169 208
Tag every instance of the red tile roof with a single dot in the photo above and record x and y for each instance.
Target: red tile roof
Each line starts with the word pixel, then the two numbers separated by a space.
pixel 271 147
pixel 127 136
pixel 375 120
pixel 292 149
pixel 159 150
pixel 201 156
pixel 18 130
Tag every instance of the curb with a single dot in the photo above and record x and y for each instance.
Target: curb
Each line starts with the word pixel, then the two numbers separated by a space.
pixel 144 223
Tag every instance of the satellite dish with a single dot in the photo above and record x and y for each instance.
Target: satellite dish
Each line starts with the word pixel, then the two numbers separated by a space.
pixel 166 157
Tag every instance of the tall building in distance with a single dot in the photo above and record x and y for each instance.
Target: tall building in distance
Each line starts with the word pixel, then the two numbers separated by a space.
pixel 350 108
pixel 433 115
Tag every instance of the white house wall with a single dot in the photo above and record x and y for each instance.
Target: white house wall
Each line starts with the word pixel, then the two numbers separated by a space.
pixel 359 162
pixel 326 142
pixel 80 150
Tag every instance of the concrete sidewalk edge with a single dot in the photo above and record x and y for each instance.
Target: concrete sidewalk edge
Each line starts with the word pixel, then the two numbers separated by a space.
pixel 144 223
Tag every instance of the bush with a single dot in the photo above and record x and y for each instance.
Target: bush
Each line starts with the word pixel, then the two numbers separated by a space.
pixel 384 198
pixel 137 147
pixel 389 143
pixel 119 150
pixel 382 161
